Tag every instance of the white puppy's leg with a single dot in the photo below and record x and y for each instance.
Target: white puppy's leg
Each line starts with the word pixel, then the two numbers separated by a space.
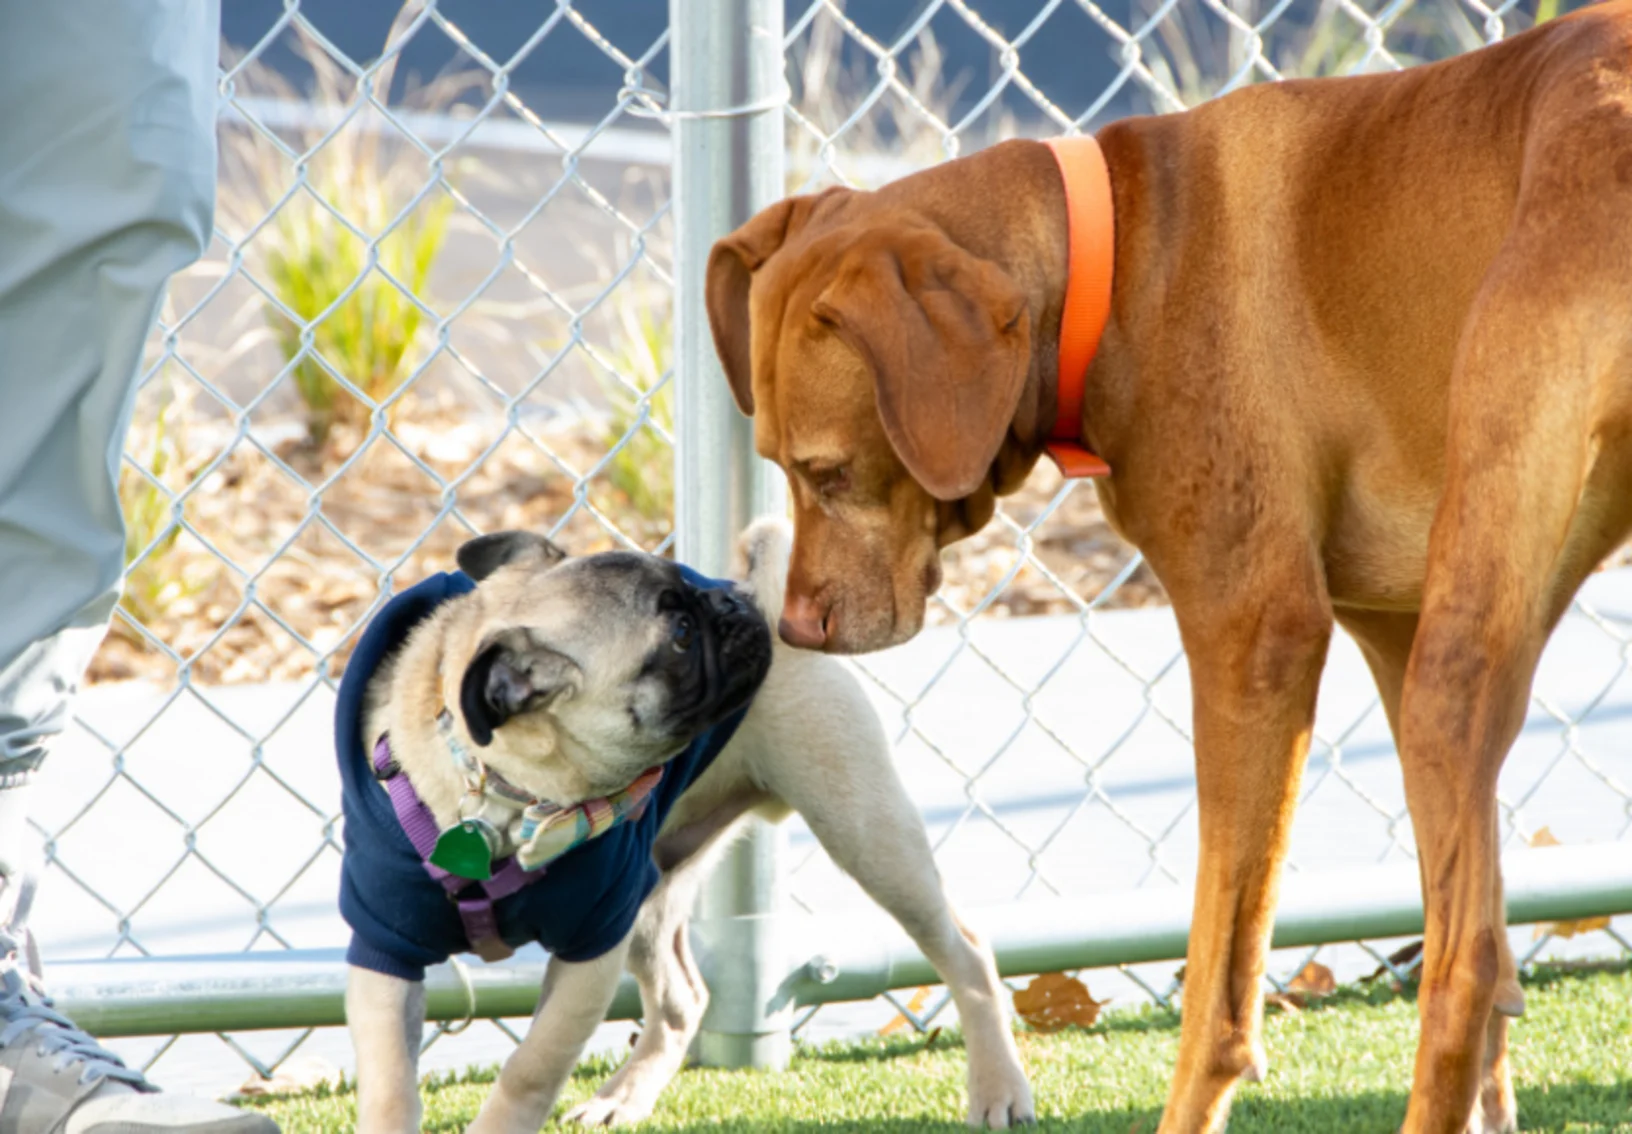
pixel 820 748
pixel 672 994
pixel 573 1004
pixel 882 845
pixel 386 1016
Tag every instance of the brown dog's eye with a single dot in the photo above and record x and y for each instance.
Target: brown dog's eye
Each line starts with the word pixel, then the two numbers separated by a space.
pixel 831 482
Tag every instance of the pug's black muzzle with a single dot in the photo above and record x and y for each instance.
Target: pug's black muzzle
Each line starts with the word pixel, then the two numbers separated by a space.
pixel 736 655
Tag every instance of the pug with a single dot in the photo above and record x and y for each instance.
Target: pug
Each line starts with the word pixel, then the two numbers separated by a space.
pixel 554 749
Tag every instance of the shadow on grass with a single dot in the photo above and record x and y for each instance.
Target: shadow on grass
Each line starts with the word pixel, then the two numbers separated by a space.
pixel 1560 1108
pixel 1576 1108
pixel 1553 975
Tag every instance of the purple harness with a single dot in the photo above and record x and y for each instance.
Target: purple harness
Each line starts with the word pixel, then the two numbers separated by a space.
pixel 476 913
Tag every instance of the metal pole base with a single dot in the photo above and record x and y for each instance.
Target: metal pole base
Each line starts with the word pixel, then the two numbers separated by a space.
pixel 769 1052
pixel 743 949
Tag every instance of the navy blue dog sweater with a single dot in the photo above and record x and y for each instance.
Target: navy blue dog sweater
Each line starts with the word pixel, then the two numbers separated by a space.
pixel 402 921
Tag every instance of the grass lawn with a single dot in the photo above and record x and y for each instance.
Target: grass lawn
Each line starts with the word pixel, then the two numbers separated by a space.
pixel 1341 1065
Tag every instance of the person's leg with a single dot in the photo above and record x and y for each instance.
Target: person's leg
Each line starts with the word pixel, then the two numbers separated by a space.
pixel 107 170
pixel 107 178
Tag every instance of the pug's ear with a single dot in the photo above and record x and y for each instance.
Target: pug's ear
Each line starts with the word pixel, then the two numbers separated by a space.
pixel 513 673
pixel 484 555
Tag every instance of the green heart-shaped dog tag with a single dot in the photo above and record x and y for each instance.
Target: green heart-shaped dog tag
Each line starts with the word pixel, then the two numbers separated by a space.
pixel 462 850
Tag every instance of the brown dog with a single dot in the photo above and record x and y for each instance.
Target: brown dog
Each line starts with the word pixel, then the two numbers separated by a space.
pixel 1369 357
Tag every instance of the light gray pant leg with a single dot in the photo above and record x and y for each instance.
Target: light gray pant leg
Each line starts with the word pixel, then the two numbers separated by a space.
pixel 107 187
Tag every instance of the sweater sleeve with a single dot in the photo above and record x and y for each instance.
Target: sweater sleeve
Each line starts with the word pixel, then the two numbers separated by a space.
pixel 393 926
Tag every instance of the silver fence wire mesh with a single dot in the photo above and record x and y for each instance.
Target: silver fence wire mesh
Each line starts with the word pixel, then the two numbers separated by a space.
pixel 434 308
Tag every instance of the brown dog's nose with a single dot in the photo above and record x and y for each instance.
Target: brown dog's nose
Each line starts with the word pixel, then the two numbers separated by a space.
pixel 804 623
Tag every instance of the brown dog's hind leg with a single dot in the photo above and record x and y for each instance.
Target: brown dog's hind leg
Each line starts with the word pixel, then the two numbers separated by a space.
pixel 1385 639
pixel 1255 665
pixel 1534 496
pixel 1450 778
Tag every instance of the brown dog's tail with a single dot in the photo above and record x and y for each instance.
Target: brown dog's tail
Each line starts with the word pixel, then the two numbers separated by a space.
pixel 763 552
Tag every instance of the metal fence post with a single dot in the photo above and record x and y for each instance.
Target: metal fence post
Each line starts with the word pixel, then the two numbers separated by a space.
pixel 727 132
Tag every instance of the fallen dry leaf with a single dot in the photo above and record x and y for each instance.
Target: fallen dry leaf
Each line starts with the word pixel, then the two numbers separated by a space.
pixel 1544 837
pixel 1314 980
pixel 920 997
pixel 299 1074
pixel 1285 1001
pixel 1053 1001
pixel 1407 958
pixel 1571 928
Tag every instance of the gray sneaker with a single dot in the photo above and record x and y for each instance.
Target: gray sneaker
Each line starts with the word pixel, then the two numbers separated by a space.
pixel 54 1079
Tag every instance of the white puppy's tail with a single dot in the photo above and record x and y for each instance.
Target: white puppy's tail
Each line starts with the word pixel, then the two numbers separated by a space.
pixel 763 551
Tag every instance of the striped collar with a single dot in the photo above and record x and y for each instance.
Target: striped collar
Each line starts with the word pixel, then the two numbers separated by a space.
pixel 504 818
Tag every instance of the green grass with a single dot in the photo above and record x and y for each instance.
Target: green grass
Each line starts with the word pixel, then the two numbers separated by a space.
pixel 1340 1066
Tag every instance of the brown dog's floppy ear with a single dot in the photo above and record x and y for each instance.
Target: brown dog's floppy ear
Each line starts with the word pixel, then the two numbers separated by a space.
pixel 947 336
pixel 484 555
pixel 732 263
pixel 512 673
pixel 731 266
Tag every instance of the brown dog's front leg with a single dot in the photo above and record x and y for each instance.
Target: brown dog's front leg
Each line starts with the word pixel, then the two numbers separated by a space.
pixel 1255 670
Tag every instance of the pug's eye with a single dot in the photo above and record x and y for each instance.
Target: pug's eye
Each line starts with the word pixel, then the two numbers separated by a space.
pixel 683 633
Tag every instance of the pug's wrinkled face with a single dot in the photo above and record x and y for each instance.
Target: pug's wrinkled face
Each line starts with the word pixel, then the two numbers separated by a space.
pixel 574 676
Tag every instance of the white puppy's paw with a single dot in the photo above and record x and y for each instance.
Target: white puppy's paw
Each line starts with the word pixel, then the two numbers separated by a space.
pixel 1000 1098
pixel 612 1106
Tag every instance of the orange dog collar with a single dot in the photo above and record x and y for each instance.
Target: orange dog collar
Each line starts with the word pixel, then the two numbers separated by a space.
pixel 1091 224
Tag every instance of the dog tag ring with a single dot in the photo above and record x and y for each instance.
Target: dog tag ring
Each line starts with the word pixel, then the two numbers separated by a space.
pixel 466 849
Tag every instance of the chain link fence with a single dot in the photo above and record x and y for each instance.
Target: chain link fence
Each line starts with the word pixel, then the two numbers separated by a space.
pixel 436 308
